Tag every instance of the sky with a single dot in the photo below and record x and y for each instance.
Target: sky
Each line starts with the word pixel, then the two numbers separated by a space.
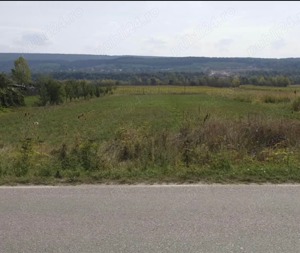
pixel 212 29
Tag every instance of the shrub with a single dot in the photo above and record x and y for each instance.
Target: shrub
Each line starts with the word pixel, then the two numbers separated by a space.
pixel 275 99
pixel 23 162
pixel 296 105
pixel 83 154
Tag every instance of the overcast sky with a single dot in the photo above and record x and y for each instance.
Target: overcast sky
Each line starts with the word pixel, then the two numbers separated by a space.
pixel 214 29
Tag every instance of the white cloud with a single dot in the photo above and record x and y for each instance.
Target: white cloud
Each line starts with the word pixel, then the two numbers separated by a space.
pixel 223 45
pixel 278 44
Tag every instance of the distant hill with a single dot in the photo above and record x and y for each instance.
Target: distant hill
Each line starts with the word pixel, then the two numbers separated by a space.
pixel 48 63
pixel 52 57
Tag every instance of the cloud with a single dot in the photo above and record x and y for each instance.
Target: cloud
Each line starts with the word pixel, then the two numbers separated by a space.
pixel 155 46
pixel 223 45
pixel 155 42
pixel 5 48
pixel 35 39
pixel 32 41
pixel 278 44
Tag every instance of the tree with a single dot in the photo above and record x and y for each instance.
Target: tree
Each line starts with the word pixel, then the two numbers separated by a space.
pixel 9 96
pixel 21 73
pixel 236 82
pixel 69 89
pixel 55 92
pixel 262 81
pixel 4 81
pixel 154 81
pixel 282 81
pixel 51 91
pixel 84 88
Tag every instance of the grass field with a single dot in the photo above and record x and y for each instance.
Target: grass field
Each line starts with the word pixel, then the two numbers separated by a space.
pixel 156 134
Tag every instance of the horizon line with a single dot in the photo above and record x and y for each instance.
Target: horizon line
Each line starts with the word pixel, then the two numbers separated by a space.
pixel 129 55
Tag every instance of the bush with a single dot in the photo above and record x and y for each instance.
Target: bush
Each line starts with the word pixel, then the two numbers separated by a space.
pixel 296 105
pixel 275 99
pixel 23 163
pixel 83 155
pixel 11 97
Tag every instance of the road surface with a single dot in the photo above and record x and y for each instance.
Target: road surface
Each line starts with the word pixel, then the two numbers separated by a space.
pixel 195 218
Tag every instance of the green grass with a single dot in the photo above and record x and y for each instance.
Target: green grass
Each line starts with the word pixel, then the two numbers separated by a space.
pixel 31 100
pixel 135 119
pixel 102 117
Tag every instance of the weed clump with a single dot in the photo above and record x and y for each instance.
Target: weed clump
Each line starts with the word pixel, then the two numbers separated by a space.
pixel 23 161
pixel 83 155
pixel 296 105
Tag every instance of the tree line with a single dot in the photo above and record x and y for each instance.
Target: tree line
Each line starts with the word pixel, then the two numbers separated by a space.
pixel 53 91
pixel 183 78
pixel 14 87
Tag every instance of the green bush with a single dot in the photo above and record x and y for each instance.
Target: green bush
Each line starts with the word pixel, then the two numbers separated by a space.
pixel 23 162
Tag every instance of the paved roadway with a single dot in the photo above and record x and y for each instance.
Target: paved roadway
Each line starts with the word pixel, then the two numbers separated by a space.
pixel 196 218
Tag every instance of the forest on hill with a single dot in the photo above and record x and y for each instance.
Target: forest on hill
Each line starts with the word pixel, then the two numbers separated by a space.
pixel 42 63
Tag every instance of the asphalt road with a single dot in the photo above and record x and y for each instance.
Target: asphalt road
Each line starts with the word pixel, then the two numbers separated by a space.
pixel 202 218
